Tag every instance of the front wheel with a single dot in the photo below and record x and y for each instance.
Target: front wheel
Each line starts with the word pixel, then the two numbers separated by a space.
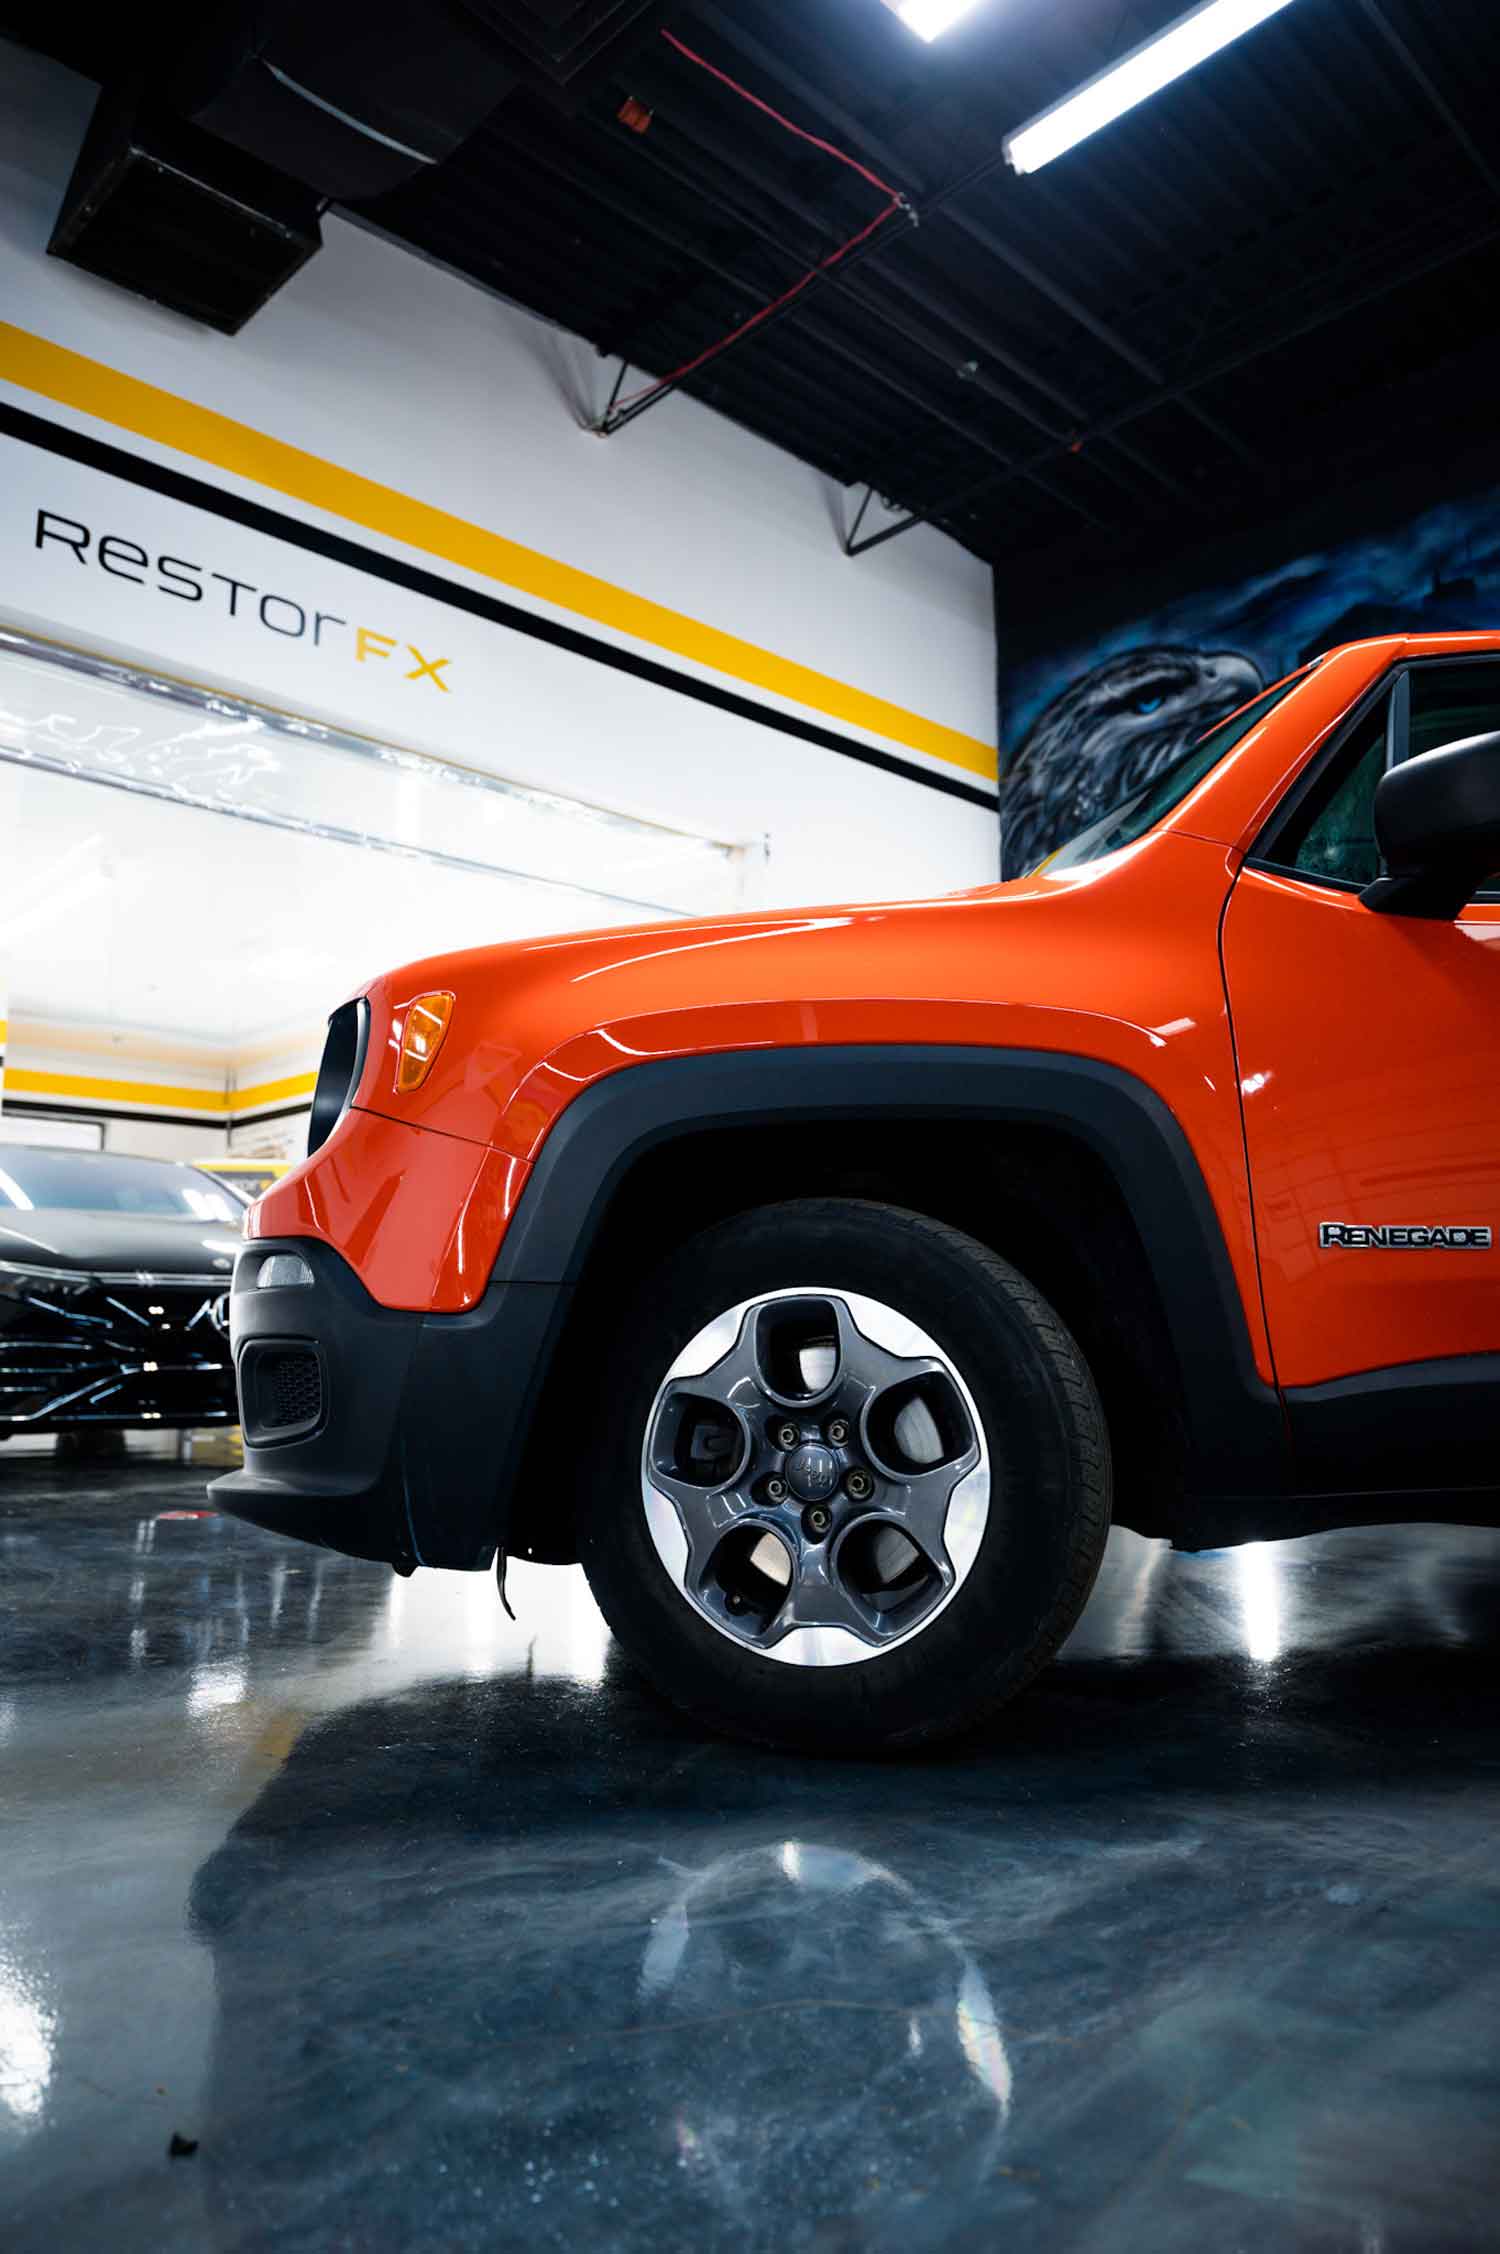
pixel 850 1487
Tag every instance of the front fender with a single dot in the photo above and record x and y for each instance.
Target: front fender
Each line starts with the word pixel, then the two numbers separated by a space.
pixel 1234 1417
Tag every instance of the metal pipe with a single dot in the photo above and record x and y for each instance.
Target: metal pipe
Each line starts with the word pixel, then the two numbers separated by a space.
pixel 996 350
pixel 940 203
pixel 818 280
pixel 835 343
pixel 922 340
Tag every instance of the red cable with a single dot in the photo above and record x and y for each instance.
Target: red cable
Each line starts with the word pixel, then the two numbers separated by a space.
pixel 896 203
pixel 755 102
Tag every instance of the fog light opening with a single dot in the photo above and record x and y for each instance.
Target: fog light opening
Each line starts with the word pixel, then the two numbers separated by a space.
pixel 283 1271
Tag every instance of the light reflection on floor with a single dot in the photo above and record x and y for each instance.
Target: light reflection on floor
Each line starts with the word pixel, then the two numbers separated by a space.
pixel 434 1928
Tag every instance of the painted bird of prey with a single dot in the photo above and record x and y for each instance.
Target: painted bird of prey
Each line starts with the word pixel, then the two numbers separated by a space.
pixel 1109 733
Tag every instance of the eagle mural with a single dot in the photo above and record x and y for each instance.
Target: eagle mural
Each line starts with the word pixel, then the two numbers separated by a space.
pixel 1107 735
pixel 1090 717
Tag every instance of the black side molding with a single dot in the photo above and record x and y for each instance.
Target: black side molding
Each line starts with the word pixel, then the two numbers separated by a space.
pixel 1418 1426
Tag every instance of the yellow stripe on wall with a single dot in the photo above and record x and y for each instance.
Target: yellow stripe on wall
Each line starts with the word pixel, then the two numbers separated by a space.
pixel 73 380
pixel 290 1090
pixel 211 1104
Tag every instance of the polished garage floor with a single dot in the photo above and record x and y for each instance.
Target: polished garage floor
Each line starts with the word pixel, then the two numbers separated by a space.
pixel 434 1931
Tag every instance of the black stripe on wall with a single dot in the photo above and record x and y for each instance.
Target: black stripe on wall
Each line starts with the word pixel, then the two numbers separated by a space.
pixel 57 1107
pixel 74 446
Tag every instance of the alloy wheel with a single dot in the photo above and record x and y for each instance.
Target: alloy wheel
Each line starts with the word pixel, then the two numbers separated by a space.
pixel 815 1476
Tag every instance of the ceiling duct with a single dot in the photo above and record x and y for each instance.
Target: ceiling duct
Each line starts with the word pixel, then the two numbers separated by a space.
pixel 177 217
pixel 349 96
pixel 203 172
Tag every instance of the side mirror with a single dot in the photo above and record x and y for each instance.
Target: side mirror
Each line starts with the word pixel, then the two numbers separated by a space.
pixel 1437 822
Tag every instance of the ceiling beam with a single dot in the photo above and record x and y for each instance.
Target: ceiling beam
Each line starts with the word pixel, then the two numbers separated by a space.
pixel 1214 372
pixel 838 345
pixel 943 204
pixel 874 301
pixel 1432 94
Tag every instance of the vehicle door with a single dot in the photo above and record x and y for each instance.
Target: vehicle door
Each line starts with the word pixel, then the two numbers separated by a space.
pixel 1368 1053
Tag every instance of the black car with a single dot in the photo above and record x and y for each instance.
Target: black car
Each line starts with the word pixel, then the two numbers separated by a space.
pixel 114 1280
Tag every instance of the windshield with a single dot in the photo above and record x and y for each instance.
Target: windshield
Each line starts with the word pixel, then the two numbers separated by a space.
pixel 42 1181
pixel 1131 819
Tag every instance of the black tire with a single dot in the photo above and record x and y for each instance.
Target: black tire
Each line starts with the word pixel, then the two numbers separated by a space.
pixel 1049 1450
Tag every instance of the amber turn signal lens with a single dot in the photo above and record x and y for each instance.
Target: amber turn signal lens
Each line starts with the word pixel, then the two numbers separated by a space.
pixel 423 1025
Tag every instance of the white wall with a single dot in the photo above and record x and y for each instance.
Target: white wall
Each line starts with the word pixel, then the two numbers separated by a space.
pixel 386 366
pixel 400 373
pixel 161 1138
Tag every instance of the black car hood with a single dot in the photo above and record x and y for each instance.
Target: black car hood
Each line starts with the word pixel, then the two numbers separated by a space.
pixel 119 1244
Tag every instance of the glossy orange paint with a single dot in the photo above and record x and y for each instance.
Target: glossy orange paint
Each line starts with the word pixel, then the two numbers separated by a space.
pixel 418 1216
pixel 1371 1079
pixel 1116 961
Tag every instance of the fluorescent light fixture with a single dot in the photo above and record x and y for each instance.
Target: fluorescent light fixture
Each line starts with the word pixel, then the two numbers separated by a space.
pixel 929 19
pixel 1140 74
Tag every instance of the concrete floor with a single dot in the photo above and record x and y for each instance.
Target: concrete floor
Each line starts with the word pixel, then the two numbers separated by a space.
pixel 435 1931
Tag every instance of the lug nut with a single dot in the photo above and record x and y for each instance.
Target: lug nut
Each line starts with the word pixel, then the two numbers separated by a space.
pixel 787 1435
pixel 859 1485
pixel 775 1490
pixel 734 1602
pixel 817 1518
pixel 838 1432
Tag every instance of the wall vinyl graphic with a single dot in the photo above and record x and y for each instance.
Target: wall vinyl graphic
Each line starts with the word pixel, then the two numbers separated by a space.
pixel 1086 725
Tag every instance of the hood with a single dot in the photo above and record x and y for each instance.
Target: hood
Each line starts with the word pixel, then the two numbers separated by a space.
pixel 119 1243
pixel 745 979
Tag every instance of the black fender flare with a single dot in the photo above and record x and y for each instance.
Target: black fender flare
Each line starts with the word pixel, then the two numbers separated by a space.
pixel 1235 1426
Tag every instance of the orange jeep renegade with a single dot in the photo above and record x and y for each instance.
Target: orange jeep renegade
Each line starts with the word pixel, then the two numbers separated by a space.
pixel 823 1280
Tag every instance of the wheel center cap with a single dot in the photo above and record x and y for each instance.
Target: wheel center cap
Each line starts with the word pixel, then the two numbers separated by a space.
pixel 812 1472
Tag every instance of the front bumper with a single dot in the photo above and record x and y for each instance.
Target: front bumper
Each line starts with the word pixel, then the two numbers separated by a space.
pixel 382 1432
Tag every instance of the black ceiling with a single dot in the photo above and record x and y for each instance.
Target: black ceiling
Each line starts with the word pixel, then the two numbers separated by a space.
pixel 1279 276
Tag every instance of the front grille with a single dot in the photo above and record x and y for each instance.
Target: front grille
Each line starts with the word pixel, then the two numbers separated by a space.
pixel 116 1350
pixel 289 1388
pixel 338 1073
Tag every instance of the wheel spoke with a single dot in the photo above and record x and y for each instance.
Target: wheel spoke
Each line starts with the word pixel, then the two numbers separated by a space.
pixel 920 1504
pixel 705 1515
pixel 871 1365
pixel 819 1598
pixel 730 1378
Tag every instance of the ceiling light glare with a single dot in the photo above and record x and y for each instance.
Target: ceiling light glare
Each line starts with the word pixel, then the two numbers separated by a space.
pixel 929 19
pixel 1142 73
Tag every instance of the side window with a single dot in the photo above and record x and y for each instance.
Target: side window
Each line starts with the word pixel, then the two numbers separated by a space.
pixel 1333 834
pixel 1449 702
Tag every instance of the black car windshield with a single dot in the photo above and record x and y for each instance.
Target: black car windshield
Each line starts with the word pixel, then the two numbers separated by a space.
pixel 1131 819
pixel 42 1181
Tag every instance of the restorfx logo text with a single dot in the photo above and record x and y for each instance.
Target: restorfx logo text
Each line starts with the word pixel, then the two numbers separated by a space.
pixel 238 599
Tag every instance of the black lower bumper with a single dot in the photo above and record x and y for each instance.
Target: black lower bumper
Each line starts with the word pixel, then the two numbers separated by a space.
pixel 379 1431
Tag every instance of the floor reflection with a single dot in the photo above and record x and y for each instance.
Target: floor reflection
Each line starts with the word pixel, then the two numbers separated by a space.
pixel 437 1929
pixel 646 2024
